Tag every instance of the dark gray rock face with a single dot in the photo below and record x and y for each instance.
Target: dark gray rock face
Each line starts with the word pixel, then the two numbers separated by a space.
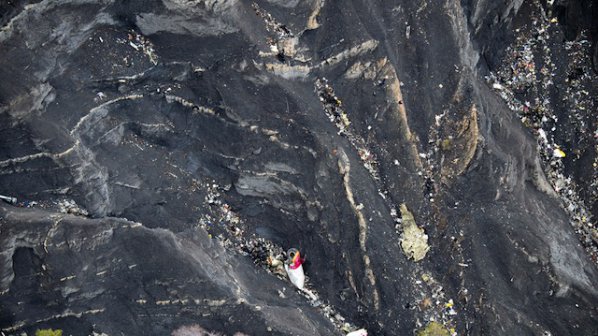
pixel 161 151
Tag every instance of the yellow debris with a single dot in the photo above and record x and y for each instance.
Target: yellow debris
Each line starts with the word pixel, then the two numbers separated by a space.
pixel 48 332
pixel 426 278
pixel 559 153
pixel 434 329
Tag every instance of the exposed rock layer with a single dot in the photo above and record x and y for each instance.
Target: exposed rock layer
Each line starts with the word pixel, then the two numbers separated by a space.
pixel 185 130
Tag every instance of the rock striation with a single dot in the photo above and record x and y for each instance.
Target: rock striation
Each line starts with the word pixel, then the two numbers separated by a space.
pixel 163 154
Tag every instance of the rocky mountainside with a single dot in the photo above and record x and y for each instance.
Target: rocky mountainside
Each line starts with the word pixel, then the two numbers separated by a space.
pixel 436 162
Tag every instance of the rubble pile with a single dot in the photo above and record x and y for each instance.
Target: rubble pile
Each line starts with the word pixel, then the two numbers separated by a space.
pixel 531 94
pixel 337 115
pixel 225 225
pixel 272 25
pixel 71 207
pixel 434 304
pixel 141 44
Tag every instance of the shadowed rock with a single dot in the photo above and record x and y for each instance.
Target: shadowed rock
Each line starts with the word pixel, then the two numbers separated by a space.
pixel 165 153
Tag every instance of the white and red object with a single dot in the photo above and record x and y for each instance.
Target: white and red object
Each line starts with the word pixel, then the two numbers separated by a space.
pixel 294 268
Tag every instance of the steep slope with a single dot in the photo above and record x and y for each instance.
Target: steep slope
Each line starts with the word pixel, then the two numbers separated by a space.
pixel 161 151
